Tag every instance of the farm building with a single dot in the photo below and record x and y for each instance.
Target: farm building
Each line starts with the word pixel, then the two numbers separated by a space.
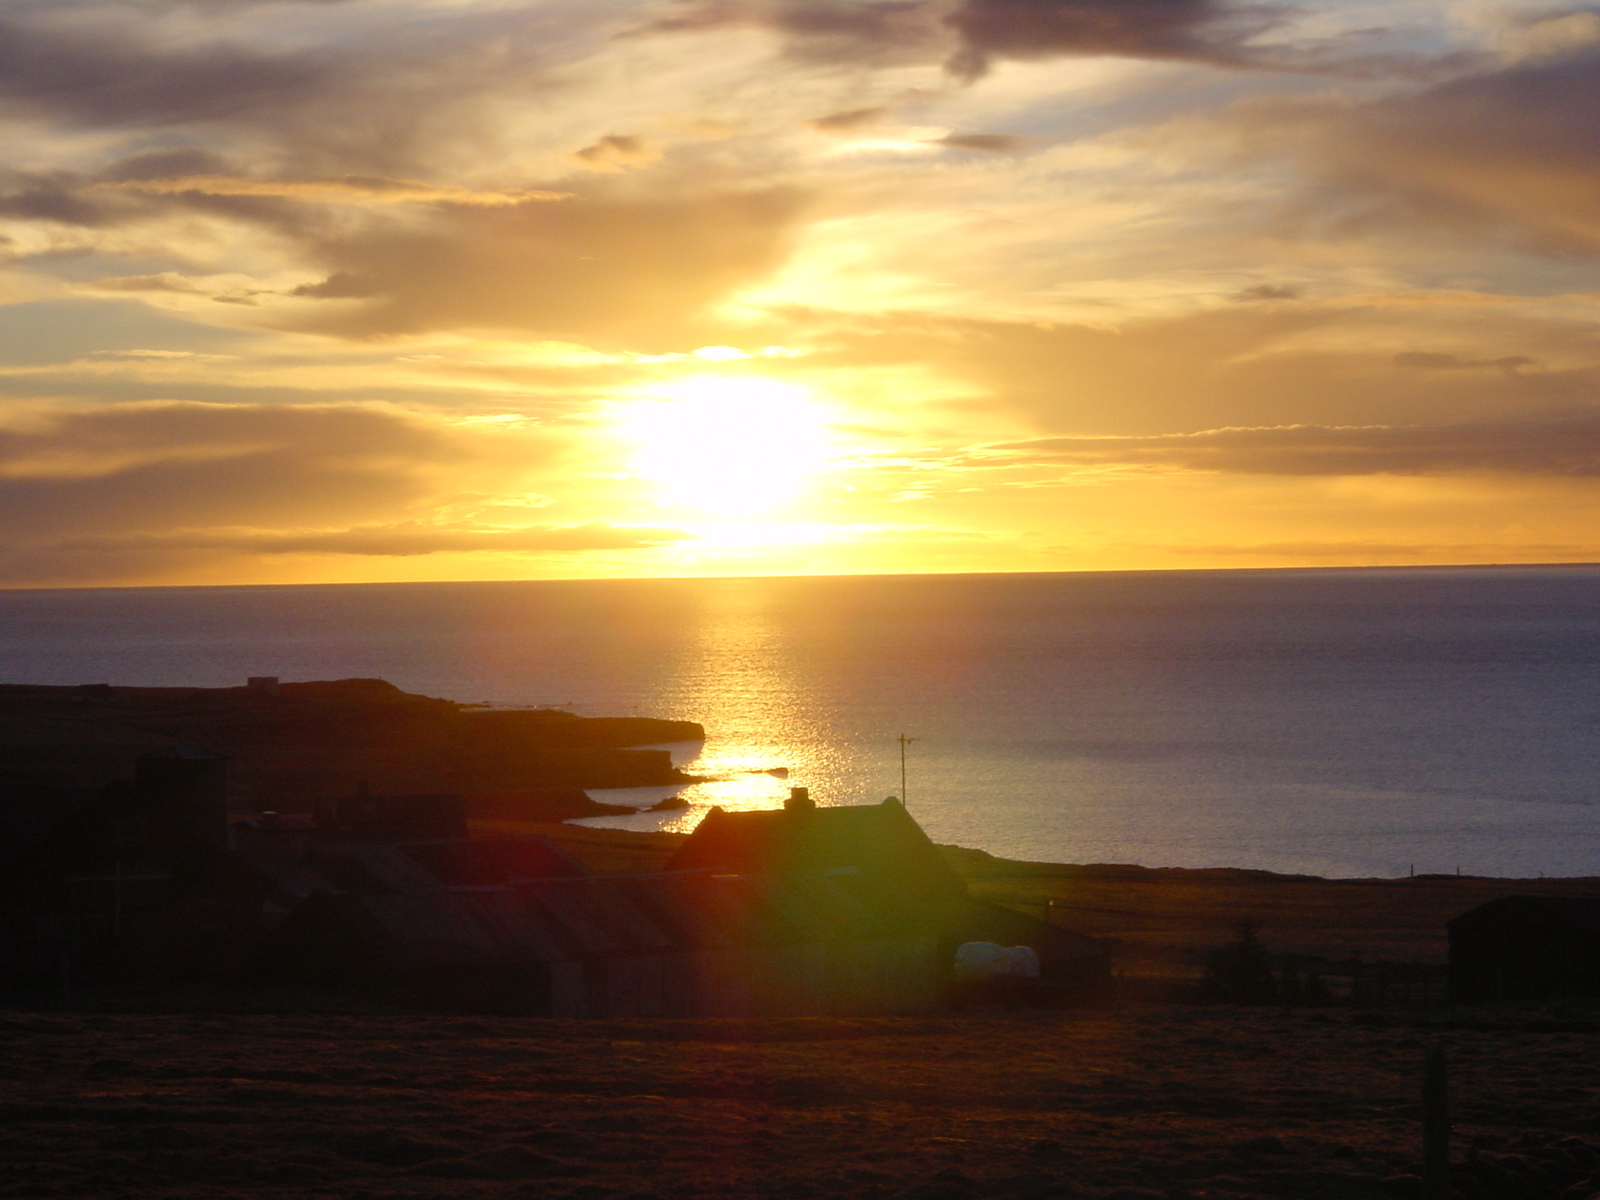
pixel 880 840
pixel 885 844
pixel 1526 948
pixel 131 880
pixel 687 943
pixel 297 859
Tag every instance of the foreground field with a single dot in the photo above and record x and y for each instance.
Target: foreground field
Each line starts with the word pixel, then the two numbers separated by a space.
pixel 1202 1103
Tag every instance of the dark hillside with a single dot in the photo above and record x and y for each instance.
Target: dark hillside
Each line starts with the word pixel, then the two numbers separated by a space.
pixel 316 739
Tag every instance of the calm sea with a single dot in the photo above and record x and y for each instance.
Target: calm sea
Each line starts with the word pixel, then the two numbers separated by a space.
pixel 1338 722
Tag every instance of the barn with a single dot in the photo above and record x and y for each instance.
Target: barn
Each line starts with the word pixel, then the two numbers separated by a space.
pixel 1526 948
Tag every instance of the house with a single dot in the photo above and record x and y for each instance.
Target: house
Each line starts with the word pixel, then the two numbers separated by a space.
pixel 887 846
pixel 879 840
pixel 671 944
pixel 1526 948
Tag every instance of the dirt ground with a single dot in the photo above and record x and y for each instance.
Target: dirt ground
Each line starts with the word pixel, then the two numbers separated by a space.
pixel 1145 1105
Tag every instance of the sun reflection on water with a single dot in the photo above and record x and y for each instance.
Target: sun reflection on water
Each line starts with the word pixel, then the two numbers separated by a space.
pixel 736 673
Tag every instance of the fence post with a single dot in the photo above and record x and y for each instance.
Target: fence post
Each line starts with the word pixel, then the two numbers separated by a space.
pixel 1435 1126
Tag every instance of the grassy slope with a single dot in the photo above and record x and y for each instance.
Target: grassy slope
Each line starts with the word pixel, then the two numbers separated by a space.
pixel 1166 919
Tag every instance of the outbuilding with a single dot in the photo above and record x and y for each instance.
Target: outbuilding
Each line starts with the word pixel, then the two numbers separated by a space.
pixel 1526 948
pixel 672 944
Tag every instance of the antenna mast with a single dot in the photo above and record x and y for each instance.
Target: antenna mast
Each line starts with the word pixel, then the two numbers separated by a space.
pixel 904 742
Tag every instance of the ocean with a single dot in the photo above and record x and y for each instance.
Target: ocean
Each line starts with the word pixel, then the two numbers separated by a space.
pixel 1362 722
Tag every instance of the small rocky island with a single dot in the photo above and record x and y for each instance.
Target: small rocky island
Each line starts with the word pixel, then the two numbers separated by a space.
pixel 290 744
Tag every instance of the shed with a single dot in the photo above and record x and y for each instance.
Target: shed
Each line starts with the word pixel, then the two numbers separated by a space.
pixel 1526 948
pixel 686 944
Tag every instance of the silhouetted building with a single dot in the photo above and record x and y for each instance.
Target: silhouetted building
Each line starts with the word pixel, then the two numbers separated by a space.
pixel 296 858
pixel 124 882
pixel 1526 948
pixel 880 840
pixel 895 858
pixel 677 944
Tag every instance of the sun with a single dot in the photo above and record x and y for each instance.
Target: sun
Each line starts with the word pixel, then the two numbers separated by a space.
pixel 730 445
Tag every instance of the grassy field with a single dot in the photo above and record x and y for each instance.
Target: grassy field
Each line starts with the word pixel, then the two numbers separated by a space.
pixel 1189 1104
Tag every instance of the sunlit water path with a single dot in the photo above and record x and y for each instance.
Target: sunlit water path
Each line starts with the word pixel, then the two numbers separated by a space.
pixel 1347 722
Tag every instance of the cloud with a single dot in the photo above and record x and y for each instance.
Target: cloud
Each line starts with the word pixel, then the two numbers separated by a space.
pixel 1424 361
pixel 1192 30
pixel 973 34
pixel 592 267
pixel 348 189
pixel 848 121
pixel 1267 291
pixel 153 467
pixel 1435 552
pixel 1509 151
pixel 402 540
pixel 618 152
pixel 314 89
pixel 987 143
pixel 1560 445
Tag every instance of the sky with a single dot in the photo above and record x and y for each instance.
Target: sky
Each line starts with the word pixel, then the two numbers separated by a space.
pixel 368 290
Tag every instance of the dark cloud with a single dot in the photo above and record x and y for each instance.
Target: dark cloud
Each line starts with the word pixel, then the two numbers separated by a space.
pixel 589 267
pixel 1193 30
pixel 618 151
pixel 973 34
pixel 1424 361
pixel 385 96
pixel 987 143
pixel 94 77
pixel 1268 291
pixel 1512 153
pixel 1564 445
pixel 142 468
pixel 877 32
pixel 849 120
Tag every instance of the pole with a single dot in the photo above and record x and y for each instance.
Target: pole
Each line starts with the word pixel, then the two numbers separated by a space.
pixel 904 742
pixel 1435 1126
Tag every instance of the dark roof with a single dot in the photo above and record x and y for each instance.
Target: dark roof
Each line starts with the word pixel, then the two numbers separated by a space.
pixel 601 916
pixel 1573 914
pixel 881 840
pixel 444 862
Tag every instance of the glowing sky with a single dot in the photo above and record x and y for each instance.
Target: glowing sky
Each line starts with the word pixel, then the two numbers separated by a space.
pixel 473 289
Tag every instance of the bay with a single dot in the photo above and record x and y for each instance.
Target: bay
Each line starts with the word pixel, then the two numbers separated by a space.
pixel 1337 722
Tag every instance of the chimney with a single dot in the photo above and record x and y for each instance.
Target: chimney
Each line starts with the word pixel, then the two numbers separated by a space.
pixel 799 800
pixel 184 791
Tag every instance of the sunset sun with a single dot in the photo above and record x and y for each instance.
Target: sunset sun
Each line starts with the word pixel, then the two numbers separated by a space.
pixel 729 446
